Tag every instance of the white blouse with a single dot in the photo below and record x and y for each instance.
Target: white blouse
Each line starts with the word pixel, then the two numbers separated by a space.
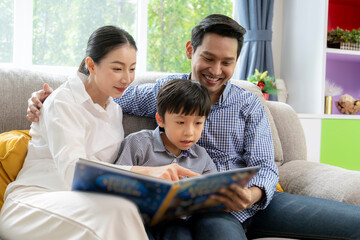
pixel 71 126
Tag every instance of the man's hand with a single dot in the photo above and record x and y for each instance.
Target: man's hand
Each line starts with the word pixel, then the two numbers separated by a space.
pixel 237 198
pixel 35 103
pixel 173 172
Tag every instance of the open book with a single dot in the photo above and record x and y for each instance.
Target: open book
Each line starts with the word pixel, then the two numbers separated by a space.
pixel 158 199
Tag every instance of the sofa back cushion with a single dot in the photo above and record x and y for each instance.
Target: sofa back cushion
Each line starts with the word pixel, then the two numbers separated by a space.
pixel 17 85
pixel 16 88
pixel 134 123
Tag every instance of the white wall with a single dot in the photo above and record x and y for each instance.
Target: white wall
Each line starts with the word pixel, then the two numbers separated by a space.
pixel 277 36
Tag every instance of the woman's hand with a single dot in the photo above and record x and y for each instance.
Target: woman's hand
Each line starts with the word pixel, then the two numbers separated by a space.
pixel 237 198
pixel 173 172
pixel 35 103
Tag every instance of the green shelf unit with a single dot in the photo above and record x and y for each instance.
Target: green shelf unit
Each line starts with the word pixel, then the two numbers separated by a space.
pixel 340 143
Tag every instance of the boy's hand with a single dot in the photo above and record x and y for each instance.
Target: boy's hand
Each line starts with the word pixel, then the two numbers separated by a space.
pixel 237 198
pixel 173 172
pixel 35 103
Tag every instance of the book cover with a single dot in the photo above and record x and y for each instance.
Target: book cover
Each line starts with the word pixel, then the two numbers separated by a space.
pixel 158 199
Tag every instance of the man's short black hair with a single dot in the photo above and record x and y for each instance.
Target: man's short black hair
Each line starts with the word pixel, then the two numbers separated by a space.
pixel 221 25
pixel 183 96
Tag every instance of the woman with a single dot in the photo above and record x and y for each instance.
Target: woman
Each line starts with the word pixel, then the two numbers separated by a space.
pixel 78 120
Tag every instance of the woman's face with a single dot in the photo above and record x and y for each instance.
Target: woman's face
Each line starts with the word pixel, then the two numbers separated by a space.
pixel 116 71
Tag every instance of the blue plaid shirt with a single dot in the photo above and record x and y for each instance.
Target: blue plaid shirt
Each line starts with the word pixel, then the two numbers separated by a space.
pixel 236 133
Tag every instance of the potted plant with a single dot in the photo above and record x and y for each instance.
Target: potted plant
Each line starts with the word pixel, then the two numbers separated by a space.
pixel 264 82
pixel 334 37
pixel 344 39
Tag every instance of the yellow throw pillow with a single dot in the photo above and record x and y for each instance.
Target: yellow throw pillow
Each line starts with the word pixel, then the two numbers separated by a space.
pixel 13 148
pixel 279 188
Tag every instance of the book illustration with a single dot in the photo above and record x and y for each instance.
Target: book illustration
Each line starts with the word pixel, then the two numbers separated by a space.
pixel 147 195
pixel 158 199
pixel 193 194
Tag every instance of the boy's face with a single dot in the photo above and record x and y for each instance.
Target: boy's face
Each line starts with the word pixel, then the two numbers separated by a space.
pixel 213 63
pixel 181 131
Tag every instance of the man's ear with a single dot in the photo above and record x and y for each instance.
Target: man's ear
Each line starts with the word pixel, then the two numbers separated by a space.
pixel 90 65
pixel 189 50
pixel 159 120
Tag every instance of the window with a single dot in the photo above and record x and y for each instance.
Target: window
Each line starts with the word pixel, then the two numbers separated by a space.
pixel 6 29
pixel 169 28
pixel 61 28
pixel 54 33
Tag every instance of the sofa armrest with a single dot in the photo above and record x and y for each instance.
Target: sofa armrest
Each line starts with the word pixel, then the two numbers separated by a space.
pixel 320 180
pixel 290 131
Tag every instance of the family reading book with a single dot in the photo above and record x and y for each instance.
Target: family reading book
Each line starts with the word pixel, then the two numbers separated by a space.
pixel 158 199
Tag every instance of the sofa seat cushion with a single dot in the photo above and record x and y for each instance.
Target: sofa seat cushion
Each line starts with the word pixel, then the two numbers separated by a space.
pixel 13 148
pixel 320 180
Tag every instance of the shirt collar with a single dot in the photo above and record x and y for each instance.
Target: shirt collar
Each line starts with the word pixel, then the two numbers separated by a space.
pixel 80 94
pixel 225 93
pixel 160 147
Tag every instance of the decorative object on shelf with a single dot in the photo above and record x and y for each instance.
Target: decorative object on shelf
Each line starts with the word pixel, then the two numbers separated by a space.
pixel 264 82
pixel 328 104
pixel 344 39
pixel 350 46
pixel 348 105
pixel 331 89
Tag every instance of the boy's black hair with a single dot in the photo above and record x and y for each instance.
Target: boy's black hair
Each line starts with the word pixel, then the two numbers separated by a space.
pixel 183 96
pixel 221 25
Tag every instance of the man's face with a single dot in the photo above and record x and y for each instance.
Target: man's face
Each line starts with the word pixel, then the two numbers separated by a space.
pixel 213 63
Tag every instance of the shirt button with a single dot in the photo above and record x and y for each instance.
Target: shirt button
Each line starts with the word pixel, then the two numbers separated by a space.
pixel 174 160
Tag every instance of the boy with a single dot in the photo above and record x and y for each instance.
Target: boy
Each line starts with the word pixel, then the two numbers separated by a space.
pixel 182 108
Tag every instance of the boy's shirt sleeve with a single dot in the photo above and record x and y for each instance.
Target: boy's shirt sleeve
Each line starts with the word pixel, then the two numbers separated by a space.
pixel 210 166
pixel 130 152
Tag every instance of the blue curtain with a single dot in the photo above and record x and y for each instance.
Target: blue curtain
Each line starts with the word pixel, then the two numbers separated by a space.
pixel 256 17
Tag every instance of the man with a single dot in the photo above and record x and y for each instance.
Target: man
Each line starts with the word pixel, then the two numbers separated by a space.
pixel 237 134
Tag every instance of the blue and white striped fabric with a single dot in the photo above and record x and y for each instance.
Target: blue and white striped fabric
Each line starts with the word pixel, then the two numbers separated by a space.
pixel 236 133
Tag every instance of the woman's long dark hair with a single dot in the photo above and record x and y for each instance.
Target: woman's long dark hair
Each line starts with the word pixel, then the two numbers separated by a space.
pixel 102 41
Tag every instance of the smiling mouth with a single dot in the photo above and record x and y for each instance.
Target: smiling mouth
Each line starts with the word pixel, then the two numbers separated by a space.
pixel 120 89
pixel 210 79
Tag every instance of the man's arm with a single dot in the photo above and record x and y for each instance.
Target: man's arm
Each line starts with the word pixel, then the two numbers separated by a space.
pixel 237 198
pixel 258 151
pixel 140 100
pixel 35 103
